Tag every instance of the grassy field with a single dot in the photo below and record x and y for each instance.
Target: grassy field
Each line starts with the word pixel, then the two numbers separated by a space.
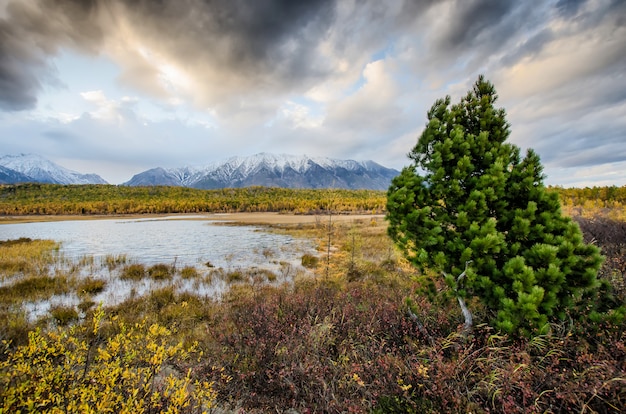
pixel 337 338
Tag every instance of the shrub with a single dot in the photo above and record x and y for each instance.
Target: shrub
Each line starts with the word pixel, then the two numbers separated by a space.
pixel 14 326
pixel 352 348
pixel 77 370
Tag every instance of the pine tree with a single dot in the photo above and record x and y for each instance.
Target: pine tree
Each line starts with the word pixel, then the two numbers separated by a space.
pixel 470 205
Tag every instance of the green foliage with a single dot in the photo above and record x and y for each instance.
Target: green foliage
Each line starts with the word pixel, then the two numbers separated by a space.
pixel 469 196
pixel 329 345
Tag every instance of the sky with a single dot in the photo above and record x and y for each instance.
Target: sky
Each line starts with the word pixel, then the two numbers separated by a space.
pixel 115 87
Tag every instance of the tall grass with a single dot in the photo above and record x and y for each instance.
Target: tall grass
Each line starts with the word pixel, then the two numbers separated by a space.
pixel 25 256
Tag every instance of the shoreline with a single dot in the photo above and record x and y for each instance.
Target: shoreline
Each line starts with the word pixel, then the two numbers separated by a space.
pixel 262 218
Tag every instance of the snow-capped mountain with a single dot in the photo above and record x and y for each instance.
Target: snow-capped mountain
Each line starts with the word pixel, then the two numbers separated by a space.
pixel 273 170
pixel 38 169
pixel 9 176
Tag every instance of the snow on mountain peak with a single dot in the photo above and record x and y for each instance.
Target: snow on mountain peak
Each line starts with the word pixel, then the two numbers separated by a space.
pixel 279 163
pixel 273 170
pixel 41 169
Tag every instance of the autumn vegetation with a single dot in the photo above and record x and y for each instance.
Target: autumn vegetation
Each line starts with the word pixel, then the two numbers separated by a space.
pixel 338 340
pixel 51 199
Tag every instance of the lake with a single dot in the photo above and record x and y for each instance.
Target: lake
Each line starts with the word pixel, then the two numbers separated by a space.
pixel 214 248
pixel 188 240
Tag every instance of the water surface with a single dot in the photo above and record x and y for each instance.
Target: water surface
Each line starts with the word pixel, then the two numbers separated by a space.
pixel 179 240
pixel 188 240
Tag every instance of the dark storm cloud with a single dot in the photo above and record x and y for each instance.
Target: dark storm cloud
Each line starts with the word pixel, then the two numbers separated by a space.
pixel 248 38
pixel 243 35
pixel 18 80
pixel 529 47
pixel 232 45
pixel 28 36
pixel 568 8
pixel 473 19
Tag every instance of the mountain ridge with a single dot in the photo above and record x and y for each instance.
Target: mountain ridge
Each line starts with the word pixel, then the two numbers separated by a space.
pixel 272 170
pixel 263 169
pixel 35 168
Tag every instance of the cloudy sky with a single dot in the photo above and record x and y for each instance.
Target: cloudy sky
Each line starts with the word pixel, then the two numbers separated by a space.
pixel 119 86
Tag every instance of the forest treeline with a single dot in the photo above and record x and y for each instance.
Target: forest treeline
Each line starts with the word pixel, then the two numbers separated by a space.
pixel 53 199
pixel 592 198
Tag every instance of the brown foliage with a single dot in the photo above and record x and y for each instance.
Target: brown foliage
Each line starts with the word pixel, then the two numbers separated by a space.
pixel 328 347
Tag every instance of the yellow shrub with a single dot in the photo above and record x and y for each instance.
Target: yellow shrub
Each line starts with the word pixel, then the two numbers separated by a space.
pixel 77 369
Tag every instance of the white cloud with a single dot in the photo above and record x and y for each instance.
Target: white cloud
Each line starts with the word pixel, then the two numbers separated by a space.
pixel 371 106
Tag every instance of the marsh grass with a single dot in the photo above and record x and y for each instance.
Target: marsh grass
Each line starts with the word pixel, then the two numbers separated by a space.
pixel 235 276
pixel 90 286
pixel 135 271
pixel 33 288
pixel 85 305
pixel 161 271
pixel 309 261
pixel 189 272
pixel 64 315
pixel 25 256
pixel 112 261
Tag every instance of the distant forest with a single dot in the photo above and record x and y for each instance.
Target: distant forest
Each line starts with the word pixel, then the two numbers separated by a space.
pixel 53 199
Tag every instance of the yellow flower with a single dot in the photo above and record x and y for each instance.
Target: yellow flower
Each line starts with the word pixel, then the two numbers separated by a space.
pixel 358 380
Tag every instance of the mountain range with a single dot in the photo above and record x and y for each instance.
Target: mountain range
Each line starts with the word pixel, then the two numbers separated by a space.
pixel 269 170
pixel 273 170
pixel 34 168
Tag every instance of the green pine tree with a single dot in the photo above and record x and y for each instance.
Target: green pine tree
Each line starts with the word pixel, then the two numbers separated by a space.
pixel 470 200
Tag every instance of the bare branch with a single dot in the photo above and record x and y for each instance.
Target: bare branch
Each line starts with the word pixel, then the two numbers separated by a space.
pixel 467 315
